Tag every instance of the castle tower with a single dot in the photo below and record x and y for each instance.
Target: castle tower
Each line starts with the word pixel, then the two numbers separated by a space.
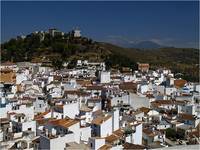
pixel 77 32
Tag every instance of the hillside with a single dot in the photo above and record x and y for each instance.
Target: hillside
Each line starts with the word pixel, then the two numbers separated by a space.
pixel 184 60
pixel 67 48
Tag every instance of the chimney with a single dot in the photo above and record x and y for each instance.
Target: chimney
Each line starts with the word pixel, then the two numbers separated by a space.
pixel 52 113
pixel 46 132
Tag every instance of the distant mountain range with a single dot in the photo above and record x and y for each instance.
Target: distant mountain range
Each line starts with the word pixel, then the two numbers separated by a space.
pixel 139 45
pixel 146 45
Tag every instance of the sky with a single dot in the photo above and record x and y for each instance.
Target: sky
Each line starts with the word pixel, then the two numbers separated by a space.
pixel 169 23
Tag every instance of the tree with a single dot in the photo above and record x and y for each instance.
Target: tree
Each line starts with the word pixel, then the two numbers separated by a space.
pixel 170 133
pixel 161 111
pixel 180 134
pixel 57 63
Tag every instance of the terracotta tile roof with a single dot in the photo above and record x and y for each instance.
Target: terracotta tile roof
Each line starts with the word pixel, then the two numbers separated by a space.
pixel 179 83
pixel 118 132
pixel 94 87
pixel 11 113
pixel 116 135
pixel 150 96
pixel 59 106
pixel 181 102
pixel 4 120
pixel 131 146
pixel 162 102
pixel 194 133
pixel 72 92
pixel 19 88
pixel 105 147
pixel 6 70
pixel 115 77
pixel 76 92
pixel 43 121
pixel 65 123
pixel 57 78
pixel 148 132
pixel 42 114
pixel 126 69
pixel 143 65
pixel 100 120
pixel 128 86
pixel 112 138
pixel 184 116
pixel 145 109
pixel 83 82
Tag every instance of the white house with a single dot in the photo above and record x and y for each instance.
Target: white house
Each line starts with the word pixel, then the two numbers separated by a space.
pixel 129 78
pixel 104 77
pixel 115 120
pixel 160 89
pixel 40 105
pixel 170 90
pixel 151 135
pixel 102 126
pixel 27 110
pixel 197 88
pixel 71 109
pixel 138 101
pixel 45 69
pixel 138 115
pixel 120 98
pixel 77 33
pixel 56 92
pixel 85 133
pixel 56 133
pixel 21 122
pixel 143 88
pixel 96 143
pixel 136 136
pixel 162 125
pixel 70 85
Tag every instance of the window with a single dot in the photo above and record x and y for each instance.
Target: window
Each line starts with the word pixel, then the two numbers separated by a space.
pixel 29 129
pixel 40 105
pixel 91 145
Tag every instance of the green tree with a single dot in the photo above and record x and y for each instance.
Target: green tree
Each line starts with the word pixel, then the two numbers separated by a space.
pixel 170 133
pixel 57 63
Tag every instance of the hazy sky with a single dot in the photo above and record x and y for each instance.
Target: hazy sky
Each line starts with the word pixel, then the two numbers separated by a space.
pixel 167 23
